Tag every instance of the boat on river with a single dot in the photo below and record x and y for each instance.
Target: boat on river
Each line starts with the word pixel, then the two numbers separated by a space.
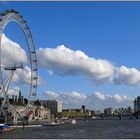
pixel 5 128
pixel 73 121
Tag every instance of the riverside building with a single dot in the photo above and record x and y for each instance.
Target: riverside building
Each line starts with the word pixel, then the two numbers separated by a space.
pixel 55 106
pixel 38 111
pixel 137 104
pixel 124 111
pixel 109 111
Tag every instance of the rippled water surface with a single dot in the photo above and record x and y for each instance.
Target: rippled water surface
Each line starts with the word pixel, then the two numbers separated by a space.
pixel 83 129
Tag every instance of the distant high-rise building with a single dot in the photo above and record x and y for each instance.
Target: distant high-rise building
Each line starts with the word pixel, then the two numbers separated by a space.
pixel 20 98
pixel 19 94
pixel 137 104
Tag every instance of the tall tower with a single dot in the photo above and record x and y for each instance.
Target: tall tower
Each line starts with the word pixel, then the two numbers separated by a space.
pixel 19 94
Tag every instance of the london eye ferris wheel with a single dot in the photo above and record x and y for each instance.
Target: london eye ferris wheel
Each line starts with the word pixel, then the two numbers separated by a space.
pixel 8 70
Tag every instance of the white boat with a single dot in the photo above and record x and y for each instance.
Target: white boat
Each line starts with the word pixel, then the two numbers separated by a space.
pixel 54 123
pixel 73 121
pixel 93 117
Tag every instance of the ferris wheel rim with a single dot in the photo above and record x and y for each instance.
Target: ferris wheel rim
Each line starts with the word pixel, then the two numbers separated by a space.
pixel 10 16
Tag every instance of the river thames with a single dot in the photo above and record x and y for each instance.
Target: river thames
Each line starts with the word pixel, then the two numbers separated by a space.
pixel 91 129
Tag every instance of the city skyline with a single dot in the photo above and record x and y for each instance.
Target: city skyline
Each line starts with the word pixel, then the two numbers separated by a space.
pixel 87 52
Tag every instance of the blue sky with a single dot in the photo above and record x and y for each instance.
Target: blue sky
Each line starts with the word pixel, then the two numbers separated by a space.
pixel 102 30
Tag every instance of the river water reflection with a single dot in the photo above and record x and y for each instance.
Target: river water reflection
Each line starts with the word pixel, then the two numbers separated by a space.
pixel 82 130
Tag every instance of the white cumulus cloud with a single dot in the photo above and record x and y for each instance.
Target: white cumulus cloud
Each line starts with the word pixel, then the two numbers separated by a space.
pixel 22 75
pixel 128 76
pixel 64 61
pixel 12 53
pixel 95 100
pixel 100 96
pixel 13 91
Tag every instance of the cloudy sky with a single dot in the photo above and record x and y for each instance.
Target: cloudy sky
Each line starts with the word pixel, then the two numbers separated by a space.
pixel 88 52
